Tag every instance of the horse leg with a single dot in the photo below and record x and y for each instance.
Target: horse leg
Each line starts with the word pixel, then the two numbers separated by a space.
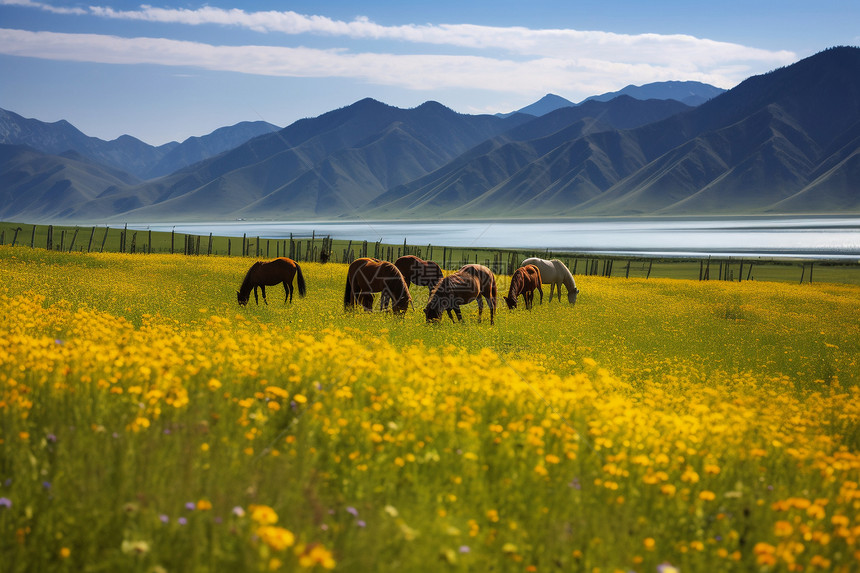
pixel 527 296
pixel 263 289
pixel 451 316
pixel 480 300
pixel 256 298
pixel 459 314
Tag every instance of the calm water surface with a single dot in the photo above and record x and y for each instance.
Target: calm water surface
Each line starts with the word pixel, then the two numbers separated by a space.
pixel 821 237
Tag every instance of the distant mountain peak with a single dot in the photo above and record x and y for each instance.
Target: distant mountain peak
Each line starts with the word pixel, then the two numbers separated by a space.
pixel 691 93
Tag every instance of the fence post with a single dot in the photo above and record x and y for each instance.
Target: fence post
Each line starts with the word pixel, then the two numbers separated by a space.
pixel 90 244
pixel 33 237
pixel 72 244
pixel 104 240
pixel 49 241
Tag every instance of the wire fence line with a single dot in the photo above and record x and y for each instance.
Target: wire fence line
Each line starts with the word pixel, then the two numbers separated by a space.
pixel 322 249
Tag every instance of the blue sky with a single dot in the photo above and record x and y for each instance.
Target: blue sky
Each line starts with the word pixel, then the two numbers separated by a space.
pixel 169 70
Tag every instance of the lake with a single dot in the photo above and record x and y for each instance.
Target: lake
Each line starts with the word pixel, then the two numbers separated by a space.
pixel 768 237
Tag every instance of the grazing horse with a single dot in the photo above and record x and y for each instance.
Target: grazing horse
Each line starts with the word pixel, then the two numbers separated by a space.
pixel 471 282
pixel 555 273
pixel 263 274
pixel 524 282
pixel 416 271
pixel 367 276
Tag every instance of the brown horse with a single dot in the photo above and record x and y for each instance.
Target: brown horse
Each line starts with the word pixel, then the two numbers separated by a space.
pixel 367 276
pixel 263 274
pixel 416 271
pixel 471 282
pixel 524 282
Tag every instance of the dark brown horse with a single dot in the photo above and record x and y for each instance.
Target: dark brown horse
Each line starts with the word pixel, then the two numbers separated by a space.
pixel 471 282
pixel 524 282
pixel 263 274
pixel 416 271
pixel 367 276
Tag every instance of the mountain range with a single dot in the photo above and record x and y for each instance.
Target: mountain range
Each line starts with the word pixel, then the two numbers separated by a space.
pixel 690 93
pixel 783 142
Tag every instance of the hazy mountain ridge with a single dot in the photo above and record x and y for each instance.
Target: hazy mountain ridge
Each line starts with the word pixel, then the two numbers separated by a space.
pixel 782 142
pixel 127 153
pixel 689 93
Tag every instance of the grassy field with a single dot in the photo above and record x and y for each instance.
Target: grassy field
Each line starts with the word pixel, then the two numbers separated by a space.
pixel 147 423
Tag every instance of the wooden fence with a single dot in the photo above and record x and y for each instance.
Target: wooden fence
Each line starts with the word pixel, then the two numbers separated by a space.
pixel 502 261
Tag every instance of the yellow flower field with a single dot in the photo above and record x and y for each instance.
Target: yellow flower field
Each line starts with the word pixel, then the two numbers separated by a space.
pixel 147 423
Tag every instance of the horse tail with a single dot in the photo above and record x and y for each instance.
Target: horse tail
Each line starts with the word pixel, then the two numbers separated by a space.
pixel 300 279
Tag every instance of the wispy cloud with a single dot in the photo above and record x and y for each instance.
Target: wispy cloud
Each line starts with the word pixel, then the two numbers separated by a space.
pixel 419 72
pixel 45 7
pixel 506 59
pixel 656 49
pixel 552 43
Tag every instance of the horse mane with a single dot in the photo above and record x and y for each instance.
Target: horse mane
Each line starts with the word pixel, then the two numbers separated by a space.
pixel 247 285
pixel 568 279
pixel 517 282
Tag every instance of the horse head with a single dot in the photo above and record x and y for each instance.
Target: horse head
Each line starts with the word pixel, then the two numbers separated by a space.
pixel 571 295
pixel 433 310
pixel 512 302
pixel 242 300
pixel 401 305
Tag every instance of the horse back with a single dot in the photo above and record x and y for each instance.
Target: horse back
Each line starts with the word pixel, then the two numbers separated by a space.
pixel 533 274
pixel 460 285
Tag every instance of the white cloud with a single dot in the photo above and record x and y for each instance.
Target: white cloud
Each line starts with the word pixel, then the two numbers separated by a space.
pixel 678 50
pixel 586 75
pixel 44 7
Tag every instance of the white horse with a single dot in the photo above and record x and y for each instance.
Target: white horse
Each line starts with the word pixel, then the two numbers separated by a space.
pixel 555 273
